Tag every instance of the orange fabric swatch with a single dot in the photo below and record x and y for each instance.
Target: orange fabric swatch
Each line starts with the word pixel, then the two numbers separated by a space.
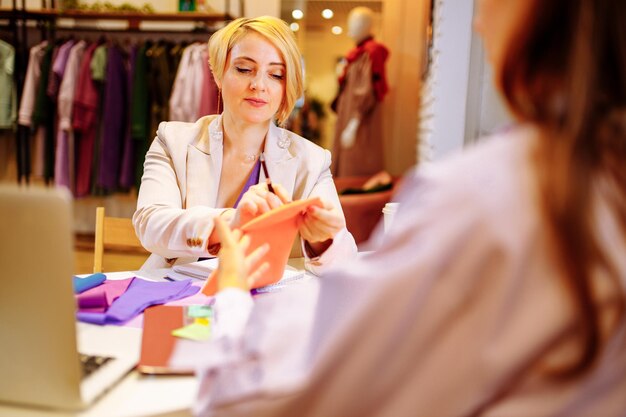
pixel 277 227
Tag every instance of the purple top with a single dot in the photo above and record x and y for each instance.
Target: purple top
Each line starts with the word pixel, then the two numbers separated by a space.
pixel 252 180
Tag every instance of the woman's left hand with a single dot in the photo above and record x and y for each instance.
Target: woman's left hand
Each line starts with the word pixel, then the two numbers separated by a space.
pixel 321 224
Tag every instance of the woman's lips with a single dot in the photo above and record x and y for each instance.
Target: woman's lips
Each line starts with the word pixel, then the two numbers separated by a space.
pixel 256 102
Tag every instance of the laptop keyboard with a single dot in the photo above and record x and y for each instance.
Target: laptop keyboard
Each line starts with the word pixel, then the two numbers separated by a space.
pixel 90 363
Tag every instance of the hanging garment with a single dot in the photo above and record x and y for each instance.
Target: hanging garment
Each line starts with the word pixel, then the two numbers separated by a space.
pixel 54 84
pixel 64 161
pixel 187 90
pixel 127 171
pixel 159 79
pixel 26 107
pixel 7 86
pixel 140 111
pixel 114 120
pixel 58 69
pixel 98 74
pixel 209 96
pixel 84 118
pixel 31 81
pixel 43 119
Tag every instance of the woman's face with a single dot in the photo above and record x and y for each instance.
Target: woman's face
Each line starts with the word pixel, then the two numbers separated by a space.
pixel 497 21
pixel 253 85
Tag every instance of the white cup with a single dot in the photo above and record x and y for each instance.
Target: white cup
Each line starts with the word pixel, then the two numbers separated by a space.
pixel 389 212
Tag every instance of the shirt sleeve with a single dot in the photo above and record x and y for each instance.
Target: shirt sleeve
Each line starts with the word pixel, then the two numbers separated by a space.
pixel 232 309
pixel 343 245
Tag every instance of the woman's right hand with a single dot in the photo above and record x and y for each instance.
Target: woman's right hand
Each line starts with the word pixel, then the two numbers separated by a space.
pixel 256 201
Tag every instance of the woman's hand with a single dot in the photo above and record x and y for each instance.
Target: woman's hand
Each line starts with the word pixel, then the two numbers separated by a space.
pixel 256 201
pixel 320 225
pixel 235 268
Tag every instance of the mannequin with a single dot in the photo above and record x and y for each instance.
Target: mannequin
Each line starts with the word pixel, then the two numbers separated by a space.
pixel 357 149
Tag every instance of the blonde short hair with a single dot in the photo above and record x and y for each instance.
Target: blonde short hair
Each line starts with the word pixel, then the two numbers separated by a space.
pixel 278 33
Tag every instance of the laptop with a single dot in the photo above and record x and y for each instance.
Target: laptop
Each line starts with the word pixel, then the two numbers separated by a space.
pixel 40 363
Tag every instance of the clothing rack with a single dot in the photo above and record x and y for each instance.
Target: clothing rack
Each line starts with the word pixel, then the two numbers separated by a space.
pixel 47 23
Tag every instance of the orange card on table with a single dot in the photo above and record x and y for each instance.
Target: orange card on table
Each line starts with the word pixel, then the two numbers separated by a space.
pixel 157 341
pixel 277 227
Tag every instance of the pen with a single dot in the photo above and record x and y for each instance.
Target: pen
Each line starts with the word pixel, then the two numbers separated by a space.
pixel 267 175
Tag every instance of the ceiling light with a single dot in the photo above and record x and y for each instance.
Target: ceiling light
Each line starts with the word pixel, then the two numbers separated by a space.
pixel 327 14
pixel 297 14
pixel 294 27
pixel 337 30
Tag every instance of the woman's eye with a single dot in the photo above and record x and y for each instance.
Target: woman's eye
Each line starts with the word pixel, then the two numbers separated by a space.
pixel 277 76
pixel 243 70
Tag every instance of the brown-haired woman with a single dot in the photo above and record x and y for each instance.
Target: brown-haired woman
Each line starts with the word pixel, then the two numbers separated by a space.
pixel 499 290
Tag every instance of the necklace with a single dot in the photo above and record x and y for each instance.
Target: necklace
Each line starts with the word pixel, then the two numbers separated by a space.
pixel 250 157
pixel 217 134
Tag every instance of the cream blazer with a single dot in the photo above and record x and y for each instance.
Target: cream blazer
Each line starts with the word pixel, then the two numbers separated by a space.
pixel 177 198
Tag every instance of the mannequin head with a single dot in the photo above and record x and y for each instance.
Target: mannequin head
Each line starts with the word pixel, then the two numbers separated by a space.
pixel 360 23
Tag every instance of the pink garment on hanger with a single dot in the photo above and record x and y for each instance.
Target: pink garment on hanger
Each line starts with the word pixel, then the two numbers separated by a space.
pixel 84 120
pixel 33 73
pixel 64 161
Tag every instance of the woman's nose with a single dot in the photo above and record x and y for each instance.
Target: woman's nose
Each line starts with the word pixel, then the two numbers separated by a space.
pixel 258 83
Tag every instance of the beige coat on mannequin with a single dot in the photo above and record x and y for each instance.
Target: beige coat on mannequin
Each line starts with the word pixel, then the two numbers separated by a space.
pixel 358 145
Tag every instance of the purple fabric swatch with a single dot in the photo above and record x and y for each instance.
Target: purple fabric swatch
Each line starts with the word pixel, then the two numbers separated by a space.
pixel 98 299
pixel 140 295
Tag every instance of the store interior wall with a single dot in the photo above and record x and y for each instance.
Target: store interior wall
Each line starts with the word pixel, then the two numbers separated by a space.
pixel 402 26
pixel 459 102
pixel 405 32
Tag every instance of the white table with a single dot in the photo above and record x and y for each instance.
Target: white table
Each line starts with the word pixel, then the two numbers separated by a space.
pixel 136 395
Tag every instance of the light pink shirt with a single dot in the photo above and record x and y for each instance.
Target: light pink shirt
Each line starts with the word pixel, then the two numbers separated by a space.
pixel 68 85
pixel 187 89
pixel 33 73
pixel 456 314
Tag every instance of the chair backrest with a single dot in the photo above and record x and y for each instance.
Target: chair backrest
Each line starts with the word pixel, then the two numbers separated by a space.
pixel 115 234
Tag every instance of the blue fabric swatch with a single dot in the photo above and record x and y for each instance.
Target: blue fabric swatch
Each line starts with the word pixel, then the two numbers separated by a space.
pixel 83 284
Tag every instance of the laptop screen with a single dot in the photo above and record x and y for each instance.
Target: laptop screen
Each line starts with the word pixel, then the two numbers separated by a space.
pixel 39 362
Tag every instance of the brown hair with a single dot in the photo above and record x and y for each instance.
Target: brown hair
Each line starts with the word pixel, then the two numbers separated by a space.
pixel 565 71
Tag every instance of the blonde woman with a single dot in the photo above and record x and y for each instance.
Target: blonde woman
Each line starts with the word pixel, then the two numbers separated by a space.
pixel 195 172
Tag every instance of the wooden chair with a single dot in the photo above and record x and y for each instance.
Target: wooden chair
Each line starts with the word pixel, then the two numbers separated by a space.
pixel 116 234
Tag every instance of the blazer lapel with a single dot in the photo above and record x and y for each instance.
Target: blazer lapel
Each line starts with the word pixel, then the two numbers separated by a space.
pixel 204 165
pixel 282 166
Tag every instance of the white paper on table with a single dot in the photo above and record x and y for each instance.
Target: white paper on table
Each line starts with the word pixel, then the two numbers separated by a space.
pixel 198 270
pixel 202 270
